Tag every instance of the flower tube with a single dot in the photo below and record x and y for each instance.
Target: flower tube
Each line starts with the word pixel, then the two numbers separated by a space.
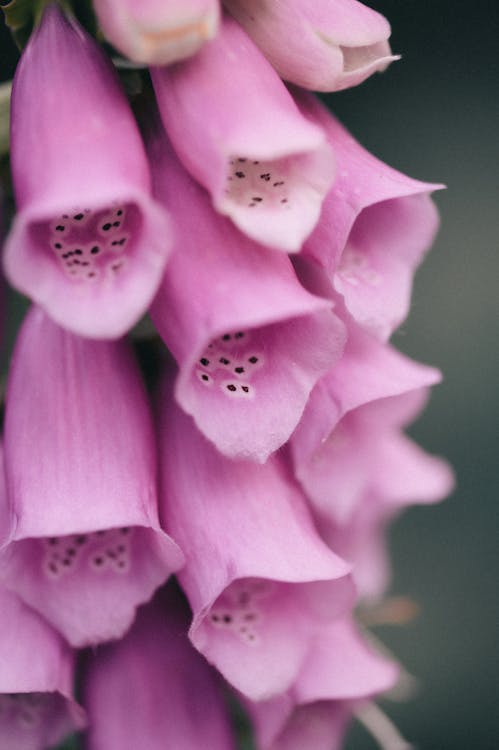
pixel 340 672
pixel 259 580
pixel 375 227
pixel 88 244
pixel 153 32
pixel 352 418
pixel 324 46
pixel 36 679
pixel 179 704
pixel 250 342
pixel 80 459
pixel 265 165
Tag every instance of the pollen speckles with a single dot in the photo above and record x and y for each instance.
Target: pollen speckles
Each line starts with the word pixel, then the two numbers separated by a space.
pixel 228 363
pixel 255 184
pixel 102 550
pixel 239 609
pixel 85 242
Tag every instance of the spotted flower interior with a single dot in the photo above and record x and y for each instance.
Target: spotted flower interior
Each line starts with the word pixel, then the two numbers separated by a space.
pixel 90 246
pixel 247 388
pixel 276 202
pixel 88 584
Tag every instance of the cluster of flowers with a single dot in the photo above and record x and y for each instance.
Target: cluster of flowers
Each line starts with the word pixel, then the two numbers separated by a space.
pixel 275 257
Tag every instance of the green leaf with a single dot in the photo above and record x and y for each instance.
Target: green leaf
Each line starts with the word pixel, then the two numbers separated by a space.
pixel 19 15
pixel 5 89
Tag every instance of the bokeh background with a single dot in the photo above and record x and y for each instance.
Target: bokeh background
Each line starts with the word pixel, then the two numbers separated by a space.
pixel 435 115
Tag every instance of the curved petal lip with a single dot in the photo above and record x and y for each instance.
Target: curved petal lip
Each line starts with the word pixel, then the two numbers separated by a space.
pixel 108 310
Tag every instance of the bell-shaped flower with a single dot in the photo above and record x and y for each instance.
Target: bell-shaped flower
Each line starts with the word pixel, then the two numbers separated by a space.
pixel 349 441
pixel 37 709
pixel 375 227
pixel 323 46
pixel 259 579
pixel 265 165
pixel 155 32
pixel 80 460
pixel 340 671
pixel 250 342
pixel 152 690
pixel 88 244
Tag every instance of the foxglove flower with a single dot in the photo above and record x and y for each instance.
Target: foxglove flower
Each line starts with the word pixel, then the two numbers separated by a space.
pixel 152 690
pixel 80 458
pixel 376 224
pixel 265 165
pixel 154 32
pixel 352 419
pixel 88 244
pixel 251 343
pixel 259 580
pixel 36 676
pixel 323 46
pixel 339 672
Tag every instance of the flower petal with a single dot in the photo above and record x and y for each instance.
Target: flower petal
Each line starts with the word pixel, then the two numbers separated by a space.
pixel 88 244
pixel 86 547
pixel 266 166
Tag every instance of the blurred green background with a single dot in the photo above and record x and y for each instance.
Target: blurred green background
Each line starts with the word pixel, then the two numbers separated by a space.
pixel 435 115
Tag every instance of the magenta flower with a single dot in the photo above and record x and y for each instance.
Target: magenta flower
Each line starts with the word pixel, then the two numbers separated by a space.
pixel 265 165
pixel 259 580
pixel 375 227
pixel 346 426
pixel 339 672
pixel 80 459
pixel 88 244
pixel 152 690
pixel 251 343
pixel 153 32
pixel 323 46
pixel 36 680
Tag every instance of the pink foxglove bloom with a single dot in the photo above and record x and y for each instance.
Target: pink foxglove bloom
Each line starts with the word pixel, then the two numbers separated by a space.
pixel 375 227
pixel 88 244
pixel 339 672
pixel 250 342
pixel 265 165
pixel 152 690
pixel 346 426
pixel 36 680
pixel 324 45
pixel 258 578
pixel 395 473
pixel 80 460
pixel 155 32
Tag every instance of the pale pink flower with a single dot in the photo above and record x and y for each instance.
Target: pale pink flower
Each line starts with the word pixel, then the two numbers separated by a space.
pixel 88 244
pixel 152 690
pixel 155 32
pixel 237 130
pixel 250 342
pixel 80 459
pixel 324 45
pixel 259 580
pixel 37 709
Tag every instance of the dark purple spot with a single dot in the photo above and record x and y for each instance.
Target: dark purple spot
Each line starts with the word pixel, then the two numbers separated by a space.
pixel 205 362
pixel 231 387
pixel 106 227
pixel 265 176
pixel 240 175
pixel 239 370
pixel 253 360
pixel 95 250
pixel 245 388
pixel 78 217
pixel 224 361
pixel 59 228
